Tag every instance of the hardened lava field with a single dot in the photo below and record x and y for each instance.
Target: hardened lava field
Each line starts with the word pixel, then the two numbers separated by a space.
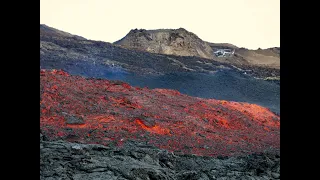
pixel 87 110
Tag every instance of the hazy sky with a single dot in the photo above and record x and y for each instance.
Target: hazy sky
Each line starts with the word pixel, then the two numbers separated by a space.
pixel 244 23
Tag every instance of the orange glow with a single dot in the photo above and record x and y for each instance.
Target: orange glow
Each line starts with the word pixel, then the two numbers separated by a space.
pixel 109 111
pixel 154 129
pixel 77 125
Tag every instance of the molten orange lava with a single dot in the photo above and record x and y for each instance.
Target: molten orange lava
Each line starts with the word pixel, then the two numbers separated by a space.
pixel 74 108
pixel 154 129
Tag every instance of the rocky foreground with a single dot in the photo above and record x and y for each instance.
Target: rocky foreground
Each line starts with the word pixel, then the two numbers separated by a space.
pixel 65 160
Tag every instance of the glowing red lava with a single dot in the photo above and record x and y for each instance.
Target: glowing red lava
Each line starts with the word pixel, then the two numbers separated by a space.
pixel 74 108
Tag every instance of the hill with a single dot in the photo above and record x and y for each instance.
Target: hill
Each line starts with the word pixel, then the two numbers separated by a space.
pixel 167 41
pixel 181 42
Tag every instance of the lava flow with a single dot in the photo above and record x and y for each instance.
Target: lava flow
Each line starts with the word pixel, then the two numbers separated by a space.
pixel 87 110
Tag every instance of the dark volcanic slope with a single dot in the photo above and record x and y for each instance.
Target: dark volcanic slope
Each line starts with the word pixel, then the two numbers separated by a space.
pixel 49 31
pixel 100 111
pixel 223 85
pixel 191 75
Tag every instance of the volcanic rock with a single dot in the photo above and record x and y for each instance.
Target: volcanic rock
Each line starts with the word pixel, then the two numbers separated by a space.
pixel 65 160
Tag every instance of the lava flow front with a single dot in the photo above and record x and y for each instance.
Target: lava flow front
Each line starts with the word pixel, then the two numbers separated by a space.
pixel 85 110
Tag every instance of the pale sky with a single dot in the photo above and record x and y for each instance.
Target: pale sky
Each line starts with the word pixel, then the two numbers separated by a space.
pixel 244 23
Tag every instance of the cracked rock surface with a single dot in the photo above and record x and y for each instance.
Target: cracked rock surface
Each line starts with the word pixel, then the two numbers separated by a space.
pixel 65 160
